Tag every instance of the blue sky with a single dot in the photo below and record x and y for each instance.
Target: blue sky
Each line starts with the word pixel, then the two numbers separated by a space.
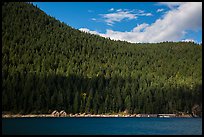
pixel 131 21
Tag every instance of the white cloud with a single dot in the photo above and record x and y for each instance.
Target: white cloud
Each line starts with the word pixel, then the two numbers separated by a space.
pixel 188 40
pixel 110 18
pixel 93 19
pixel 118 10
pixel 173 26
pixel 112 9
pixel 122 14
pixel 145 14
pixel 140 11
pixel 89 31
pixel 171 5
pixel 140 27
pixel 160 10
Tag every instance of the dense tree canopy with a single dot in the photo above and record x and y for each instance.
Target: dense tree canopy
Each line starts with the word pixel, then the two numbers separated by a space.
pixel 47 65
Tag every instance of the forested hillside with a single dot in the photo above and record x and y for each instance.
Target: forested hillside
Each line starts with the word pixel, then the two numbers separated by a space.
pixel 47 65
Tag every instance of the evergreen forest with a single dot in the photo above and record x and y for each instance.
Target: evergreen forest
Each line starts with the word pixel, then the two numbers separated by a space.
pixel 48 65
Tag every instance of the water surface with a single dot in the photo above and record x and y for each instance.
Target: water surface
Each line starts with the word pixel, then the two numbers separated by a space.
pixel 102 126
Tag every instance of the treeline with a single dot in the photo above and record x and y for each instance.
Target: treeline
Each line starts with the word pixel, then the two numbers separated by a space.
pixel 47 65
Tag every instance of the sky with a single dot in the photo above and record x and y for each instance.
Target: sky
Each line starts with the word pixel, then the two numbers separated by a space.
pixel 135 22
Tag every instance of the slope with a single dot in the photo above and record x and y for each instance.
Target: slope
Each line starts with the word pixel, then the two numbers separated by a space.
pixel 48 65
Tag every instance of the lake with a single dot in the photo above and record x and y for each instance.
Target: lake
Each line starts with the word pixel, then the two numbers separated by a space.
pixel 102 126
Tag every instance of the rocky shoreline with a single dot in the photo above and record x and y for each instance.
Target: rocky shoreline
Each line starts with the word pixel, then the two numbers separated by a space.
pixel 97 115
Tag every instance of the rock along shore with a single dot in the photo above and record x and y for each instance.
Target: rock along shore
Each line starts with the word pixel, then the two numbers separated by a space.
pixel 97 115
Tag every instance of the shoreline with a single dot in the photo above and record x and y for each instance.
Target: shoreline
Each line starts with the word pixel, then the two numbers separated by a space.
pixel 99 115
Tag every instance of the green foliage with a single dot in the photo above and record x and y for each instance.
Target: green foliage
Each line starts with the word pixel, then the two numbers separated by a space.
pixel 48 65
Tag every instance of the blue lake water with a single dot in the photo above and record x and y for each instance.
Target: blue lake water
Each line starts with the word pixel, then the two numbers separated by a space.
pixel 102 126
